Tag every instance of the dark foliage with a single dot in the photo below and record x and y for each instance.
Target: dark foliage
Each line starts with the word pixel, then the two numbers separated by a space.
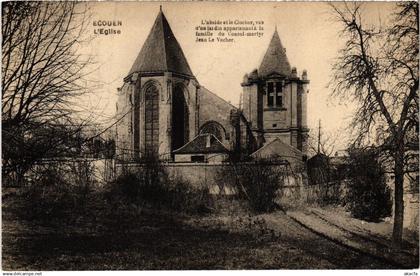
pixel 101 148
pixel 368 196
pixel 151 186
pixel 319 169
pixel 182 196
pixel 259 182
pixel 56 191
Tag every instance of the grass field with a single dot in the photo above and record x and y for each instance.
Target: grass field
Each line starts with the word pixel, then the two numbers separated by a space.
pixel 133 238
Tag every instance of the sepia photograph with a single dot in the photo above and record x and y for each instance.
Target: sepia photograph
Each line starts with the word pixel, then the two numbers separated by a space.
pixel 144 136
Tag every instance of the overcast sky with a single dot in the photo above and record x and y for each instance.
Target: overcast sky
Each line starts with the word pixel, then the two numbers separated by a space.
pixel 306 30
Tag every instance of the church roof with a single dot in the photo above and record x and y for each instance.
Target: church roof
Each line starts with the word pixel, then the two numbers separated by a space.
pixel 275 59
pixel 161 51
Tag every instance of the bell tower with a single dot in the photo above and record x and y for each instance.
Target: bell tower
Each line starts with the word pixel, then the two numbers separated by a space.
pixel 274 99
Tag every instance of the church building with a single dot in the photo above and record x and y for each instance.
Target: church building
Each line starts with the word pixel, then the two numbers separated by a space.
pixel 163 110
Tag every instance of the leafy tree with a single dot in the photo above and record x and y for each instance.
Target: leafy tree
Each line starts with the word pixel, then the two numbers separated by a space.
pixel 368 197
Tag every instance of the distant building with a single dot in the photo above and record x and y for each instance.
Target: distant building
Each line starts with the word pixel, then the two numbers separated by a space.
pixel 164 110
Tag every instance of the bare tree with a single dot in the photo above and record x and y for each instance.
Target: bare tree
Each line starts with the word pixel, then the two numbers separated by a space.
pixel 43 71
pixel 322 142
pixel 378 70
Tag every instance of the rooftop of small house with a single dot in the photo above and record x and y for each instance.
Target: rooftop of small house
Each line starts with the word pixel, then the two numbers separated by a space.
pixel 203 143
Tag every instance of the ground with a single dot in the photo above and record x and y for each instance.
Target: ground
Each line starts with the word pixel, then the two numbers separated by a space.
pixel 148 239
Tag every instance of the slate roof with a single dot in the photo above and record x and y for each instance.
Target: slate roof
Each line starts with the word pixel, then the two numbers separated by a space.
pixel 161 51
pixel 220 100
pixel 275 59
pixel 198 145
pixel 277 148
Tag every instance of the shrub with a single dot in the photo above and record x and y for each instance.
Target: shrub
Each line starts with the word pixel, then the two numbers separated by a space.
pixel 329 193
pixel 56 191
pixel 259 183
pixel 182 196
pixel 147 182
pixel 48 197
pixel 368 197
pixel 151 185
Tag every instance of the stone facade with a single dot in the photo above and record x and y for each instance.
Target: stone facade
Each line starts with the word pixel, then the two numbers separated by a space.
pixel 168 86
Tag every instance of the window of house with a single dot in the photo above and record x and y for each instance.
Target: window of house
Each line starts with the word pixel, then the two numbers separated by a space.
pixel 270 92
pixel 279 94
pixel 197 158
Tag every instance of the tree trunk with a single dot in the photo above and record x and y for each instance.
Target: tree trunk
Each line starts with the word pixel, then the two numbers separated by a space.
pixel 398 199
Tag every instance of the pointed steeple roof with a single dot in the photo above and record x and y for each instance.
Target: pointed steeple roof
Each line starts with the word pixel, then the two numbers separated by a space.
pixel 275 59
pixel 161 51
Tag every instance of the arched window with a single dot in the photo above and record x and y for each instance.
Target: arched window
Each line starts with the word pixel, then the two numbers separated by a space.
pixel 213 128
pixel 151 120
pixel 180 118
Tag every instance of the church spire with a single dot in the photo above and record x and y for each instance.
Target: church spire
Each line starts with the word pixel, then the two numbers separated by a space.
pixel 275 59
pixel 161 51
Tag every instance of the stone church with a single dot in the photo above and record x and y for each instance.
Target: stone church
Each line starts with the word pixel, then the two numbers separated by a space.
pixel 163 110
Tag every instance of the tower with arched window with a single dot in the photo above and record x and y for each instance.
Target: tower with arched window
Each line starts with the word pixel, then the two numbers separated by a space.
pixel 274 99
pixel 158 98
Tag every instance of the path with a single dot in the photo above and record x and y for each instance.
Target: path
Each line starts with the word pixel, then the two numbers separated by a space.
pixel 347 235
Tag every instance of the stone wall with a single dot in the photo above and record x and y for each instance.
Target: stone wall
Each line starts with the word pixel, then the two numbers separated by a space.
pixel 411 201
pixel 294 192
pixel 221 176
pixel 411 211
